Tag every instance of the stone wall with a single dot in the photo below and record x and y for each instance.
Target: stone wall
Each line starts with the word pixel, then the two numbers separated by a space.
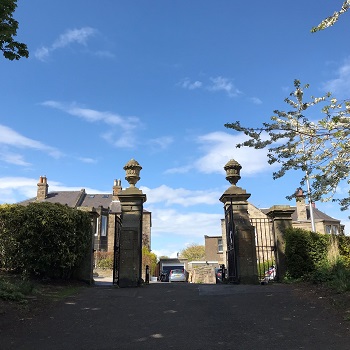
pixel 202 274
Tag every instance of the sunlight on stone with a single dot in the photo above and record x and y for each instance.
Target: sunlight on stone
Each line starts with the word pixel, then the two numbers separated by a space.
pixel 170 312
pixel 157 336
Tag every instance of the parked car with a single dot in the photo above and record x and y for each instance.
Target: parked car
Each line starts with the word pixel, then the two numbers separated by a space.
pixel 177 275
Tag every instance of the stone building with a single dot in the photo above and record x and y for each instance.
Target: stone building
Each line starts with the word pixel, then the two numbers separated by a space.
pixel 105 207
pixel 214 249
pixel 301 218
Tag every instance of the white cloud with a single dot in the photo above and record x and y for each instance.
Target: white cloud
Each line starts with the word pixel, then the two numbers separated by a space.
pixel 216 84
pixel 79 36
pixel 219 148
pixel 256 100
pixel 224 84
pixel 161 143
pixel 87 160
pixel 169 196
pixel 11 138
pixel 179 170
pixel 192 225
pixel 187 84
pixel 121 136
pixel 12 158
pixel 16 189
pixel 340 86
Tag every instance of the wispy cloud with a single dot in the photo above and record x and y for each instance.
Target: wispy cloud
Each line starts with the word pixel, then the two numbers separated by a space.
pixel 71 36
pixel 12 158
pixel 161 143
pixel 16 189
pixel 87 160
pixel 218 148
pixel 180 196
pixel 255 100
pixel 123 126
pixel 340 85
pixel 224 84
pixel 11 138
pixel 215 84
pixel 194 225
pixel 190 85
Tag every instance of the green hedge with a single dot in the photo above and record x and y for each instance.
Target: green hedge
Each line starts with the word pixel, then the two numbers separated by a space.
pixel 309 254
pixel 44 239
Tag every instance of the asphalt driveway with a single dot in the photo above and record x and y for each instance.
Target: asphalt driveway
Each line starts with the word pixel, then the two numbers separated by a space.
pixel 183 316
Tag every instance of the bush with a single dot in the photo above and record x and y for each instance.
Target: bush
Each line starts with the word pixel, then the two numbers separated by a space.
pixel 103 260
pixel 43 239
pixel 344 249
pixel 318 258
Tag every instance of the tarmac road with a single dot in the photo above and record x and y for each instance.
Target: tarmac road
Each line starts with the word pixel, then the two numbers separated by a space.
pixel 184 316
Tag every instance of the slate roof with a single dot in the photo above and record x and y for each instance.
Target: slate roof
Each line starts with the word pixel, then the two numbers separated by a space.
pixel 70 198
pixel 318 214
pixel 81 199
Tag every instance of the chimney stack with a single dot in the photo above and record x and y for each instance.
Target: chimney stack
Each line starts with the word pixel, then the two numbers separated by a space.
pixel 301 206
pixel 42 188
pixel 117 187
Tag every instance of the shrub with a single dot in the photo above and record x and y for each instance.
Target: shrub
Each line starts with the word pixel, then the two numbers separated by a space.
pixel 305 251
pixel 43 239
pixel 103 260
pixel 319 258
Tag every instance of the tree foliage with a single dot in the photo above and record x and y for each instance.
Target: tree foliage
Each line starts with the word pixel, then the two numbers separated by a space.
pixel 320 148
pixel 150 259
pixel 43 239
pixel 331 20
pixel 12 50
pixel 194 252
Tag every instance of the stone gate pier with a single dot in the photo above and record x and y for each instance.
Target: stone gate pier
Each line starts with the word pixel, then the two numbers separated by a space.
pixel 130 244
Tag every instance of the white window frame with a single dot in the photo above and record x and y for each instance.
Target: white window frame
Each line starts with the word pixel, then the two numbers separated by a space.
pixel 97 227
pixel 220 245
pixel 104 226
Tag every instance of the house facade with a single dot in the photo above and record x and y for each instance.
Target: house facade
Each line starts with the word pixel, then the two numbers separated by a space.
pixel 301 218
pixel 103 207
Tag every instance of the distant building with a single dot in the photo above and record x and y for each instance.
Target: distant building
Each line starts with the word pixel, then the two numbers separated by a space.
pixel 216 246
pixel 105 207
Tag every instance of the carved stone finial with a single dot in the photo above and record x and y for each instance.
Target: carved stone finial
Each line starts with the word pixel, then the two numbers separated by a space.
pixel 132 169
pixel 232 169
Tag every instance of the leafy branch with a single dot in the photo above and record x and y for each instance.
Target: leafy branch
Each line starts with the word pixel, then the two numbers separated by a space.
pixel 319 148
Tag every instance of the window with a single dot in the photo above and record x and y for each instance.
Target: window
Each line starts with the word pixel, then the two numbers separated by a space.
pixel 96 227
pixel 104 226
pixel 220 246
pixel 332 229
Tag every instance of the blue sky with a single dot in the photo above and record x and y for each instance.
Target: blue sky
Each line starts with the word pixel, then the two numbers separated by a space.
pixel 107 81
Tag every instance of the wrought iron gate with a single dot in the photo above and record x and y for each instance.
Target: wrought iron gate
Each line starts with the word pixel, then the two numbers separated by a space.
pixel 231 238
pixel 265 248
pixel 116 256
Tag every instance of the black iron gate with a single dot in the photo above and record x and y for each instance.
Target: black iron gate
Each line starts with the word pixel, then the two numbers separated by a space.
pixel 231 238
pixel 116 257
pixel 265 249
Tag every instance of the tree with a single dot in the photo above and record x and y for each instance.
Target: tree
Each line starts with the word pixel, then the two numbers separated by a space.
pixel 194 252
pixel 319 148
pixel 150 259
pixel 12 50
pixel 331 20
